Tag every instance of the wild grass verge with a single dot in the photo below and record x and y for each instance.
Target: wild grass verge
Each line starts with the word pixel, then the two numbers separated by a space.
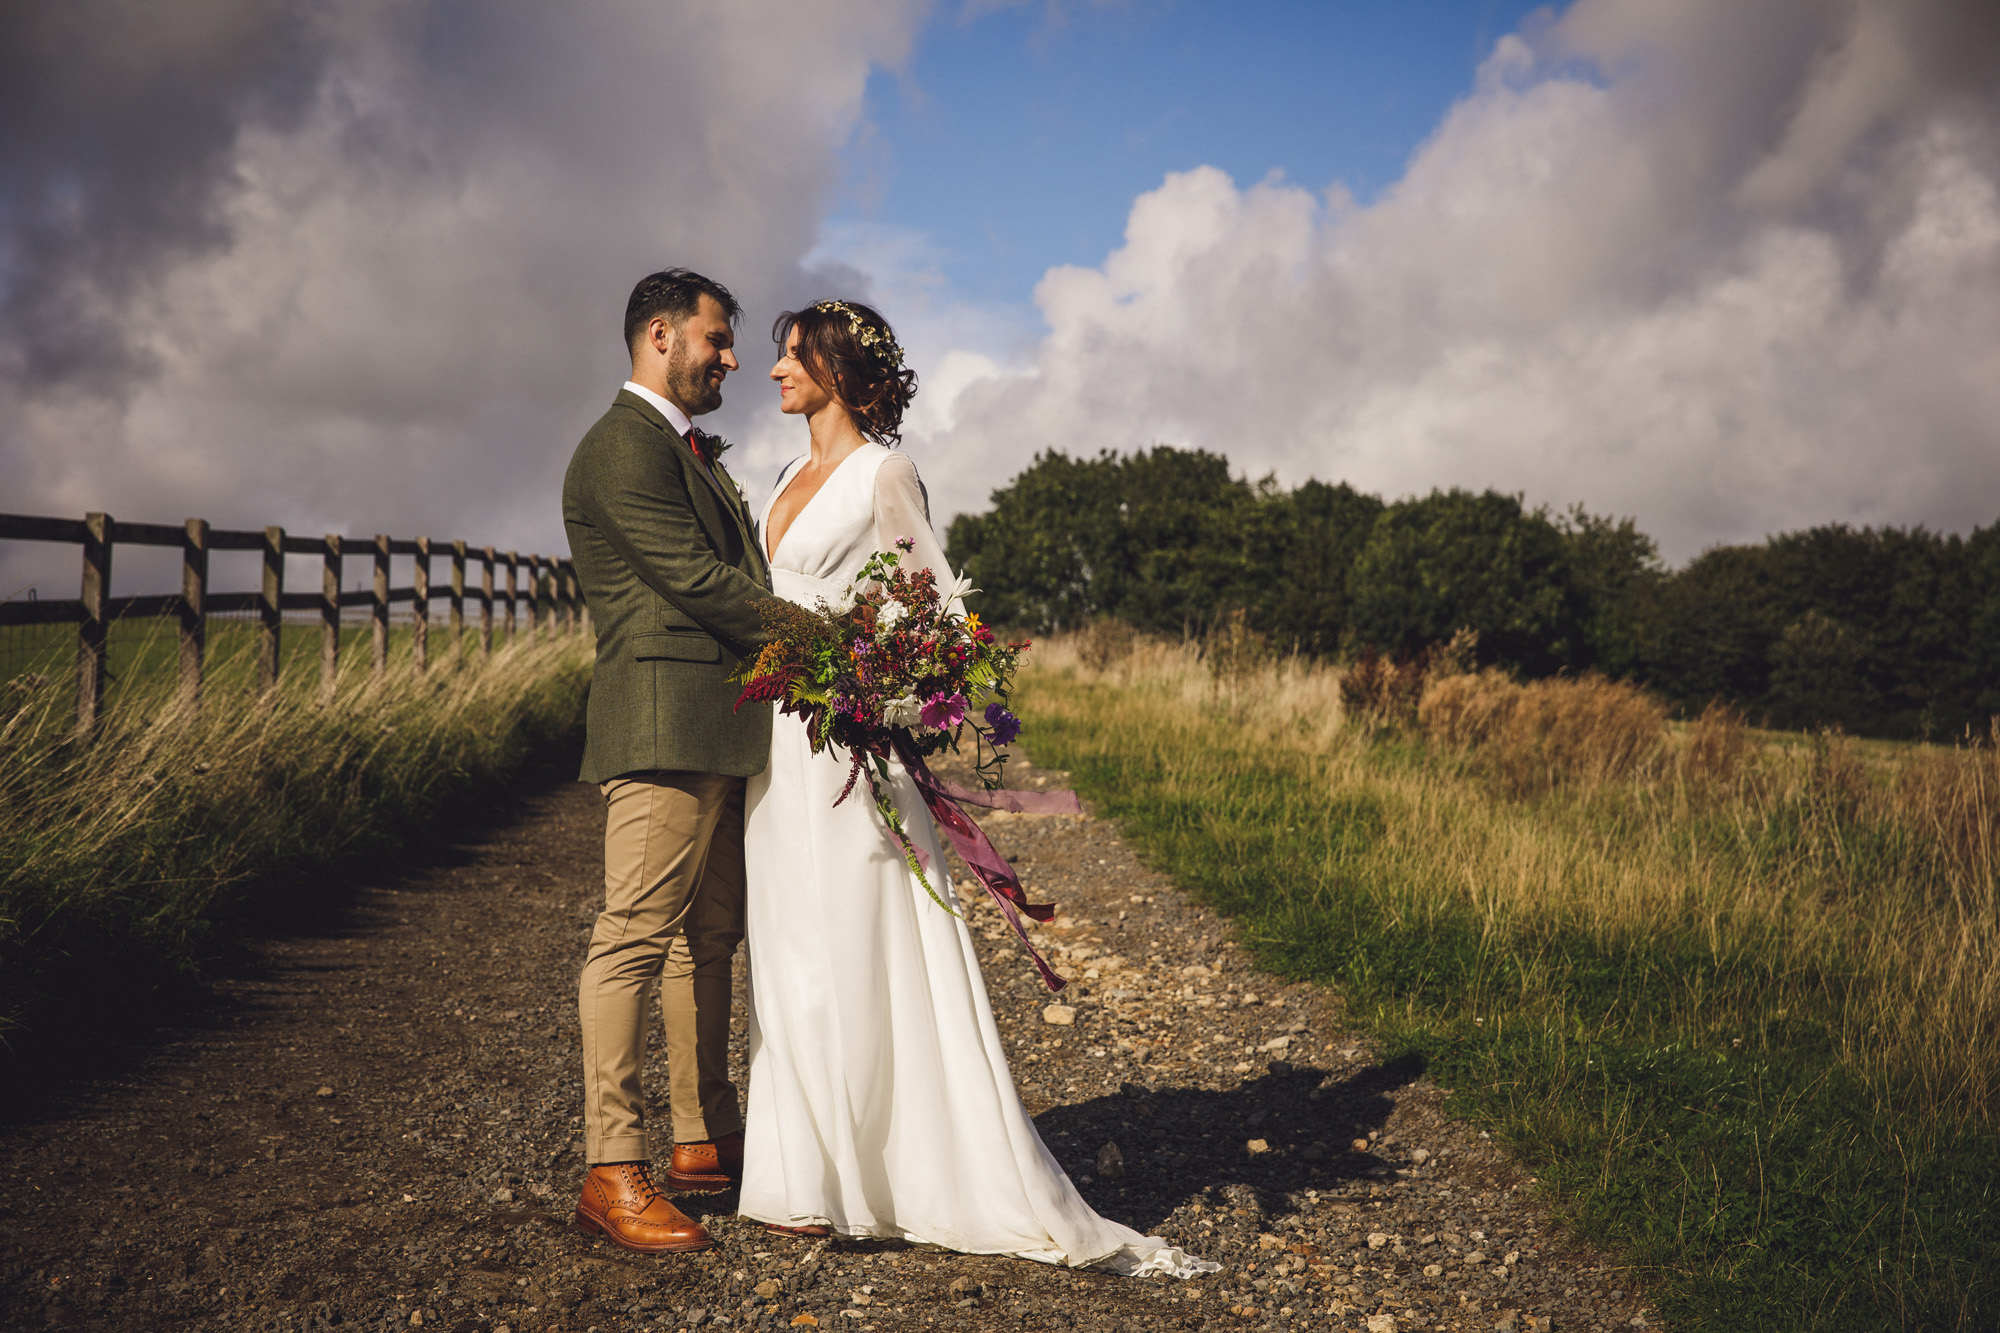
pixel 1736 996
pixel 122 855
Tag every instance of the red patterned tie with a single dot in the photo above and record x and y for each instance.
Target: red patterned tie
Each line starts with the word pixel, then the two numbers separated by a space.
pixel 703 445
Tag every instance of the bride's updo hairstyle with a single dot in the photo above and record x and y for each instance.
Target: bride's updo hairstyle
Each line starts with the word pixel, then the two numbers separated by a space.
pixel 851 352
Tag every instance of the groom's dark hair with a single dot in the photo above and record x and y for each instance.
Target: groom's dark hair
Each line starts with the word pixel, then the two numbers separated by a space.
pixel 673 294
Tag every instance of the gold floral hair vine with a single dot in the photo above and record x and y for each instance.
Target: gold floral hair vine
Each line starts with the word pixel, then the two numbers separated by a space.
pixel 877 341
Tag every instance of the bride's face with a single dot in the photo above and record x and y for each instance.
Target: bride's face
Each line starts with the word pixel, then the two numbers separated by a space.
pixel 798 392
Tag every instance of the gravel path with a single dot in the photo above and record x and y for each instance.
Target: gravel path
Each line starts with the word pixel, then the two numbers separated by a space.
pixel 374 1127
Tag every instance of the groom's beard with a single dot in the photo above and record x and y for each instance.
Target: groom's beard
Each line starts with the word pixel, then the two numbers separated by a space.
pixel 693 388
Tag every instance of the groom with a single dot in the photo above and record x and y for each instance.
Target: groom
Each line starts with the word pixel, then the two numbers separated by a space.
pixel 664 546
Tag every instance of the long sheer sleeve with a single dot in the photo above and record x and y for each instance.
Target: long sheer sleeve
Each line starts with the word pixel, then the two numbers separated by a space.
pixel 903 509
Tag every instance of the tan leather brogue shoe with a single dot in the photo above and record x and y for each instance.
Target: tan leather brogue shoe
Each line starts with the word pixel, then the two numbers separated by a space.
pixel 621 1203
pixel 707 1168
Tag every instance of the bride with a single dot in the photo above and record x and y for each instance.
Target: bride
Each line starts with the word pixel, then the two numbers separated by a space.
pixel 880 1103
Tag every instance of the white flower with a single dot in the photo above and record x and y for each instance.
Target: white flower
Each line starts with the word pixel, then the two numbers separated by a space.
pixel 890 614
pixel 961 588
pixel 844 603
pixel 907 711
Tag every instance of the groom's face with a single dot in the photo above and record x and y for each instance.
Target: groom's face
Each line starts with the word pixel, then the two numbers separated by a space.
pixel 699 358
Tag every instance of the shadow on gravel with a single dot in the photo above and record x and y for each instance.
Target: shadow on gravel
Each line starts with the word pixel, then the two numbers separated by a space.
pixel 108 1023
pixel 1178 1144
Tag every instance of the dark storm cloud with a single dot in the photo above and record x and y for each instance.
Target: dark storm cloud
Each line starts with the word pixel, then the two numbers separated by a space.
pixel 359 264
pixel 117 121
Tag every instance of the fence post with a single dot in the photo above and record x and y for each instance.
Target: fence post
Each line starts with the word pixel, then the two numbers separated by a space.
pixel 527 566
pixel 271 607
pixel 329 620
pixel 533 596
pixel 551 605
pixel 420 628
pixel 194 609
pixel 543 614
pixel 486 602
pixel 381 604
pixel 94 632
pixel 458 601
pixel 513 570
pixel 565 597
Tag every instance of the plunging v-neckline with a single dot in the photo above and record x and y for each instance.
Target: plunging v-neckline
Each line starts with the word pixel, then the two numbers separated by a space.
pixel 771 548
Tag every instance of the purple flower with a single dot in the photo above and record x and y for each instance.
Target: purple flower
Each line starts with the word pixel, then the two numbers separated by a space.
pixel 944 711
pixel 1005 725
pixel 906 544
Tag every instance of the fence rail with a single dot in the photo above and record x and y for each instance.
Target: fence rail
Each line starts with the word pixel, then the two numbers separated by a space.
pixel 552 595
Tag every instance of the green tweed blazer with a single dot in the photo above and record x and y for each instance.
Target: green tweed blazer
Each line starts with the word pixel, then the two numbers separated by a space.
pixel 667 554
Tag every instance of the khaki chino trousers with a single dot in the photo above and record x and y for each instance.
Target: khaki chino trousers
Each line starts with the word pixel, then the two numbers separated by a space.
pixel 673 916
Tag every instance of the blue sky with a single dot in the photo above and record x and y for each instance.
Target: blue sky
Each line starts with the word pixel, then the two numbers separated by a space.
pixel 1016 138
pixel 1728 268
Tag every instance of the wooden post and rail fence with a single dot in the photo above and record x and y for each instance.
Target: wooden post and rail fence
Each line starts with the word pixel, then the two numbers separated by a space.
pixel 551 594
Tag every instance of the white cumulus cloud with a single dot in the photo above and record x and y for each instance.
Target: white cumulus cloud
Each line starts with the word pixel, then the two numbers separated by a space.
pixel 1728 268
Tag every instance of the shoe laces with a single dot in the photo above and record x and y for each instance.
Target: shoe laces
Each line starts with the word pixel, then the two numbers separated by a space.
pixel 640 1181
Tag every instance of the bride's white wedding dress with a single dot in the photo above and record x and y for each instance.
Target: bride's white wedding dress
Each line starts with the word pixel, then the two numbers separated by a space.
pixel 880 1103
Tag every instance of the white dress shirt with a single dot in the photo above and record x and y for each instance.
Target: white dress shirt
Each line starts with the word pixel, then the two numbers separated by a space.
pixel 675 417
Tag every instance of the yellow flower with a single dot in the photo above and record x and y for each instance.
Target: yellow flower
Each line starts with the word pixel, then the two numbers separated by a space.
pixel 972 623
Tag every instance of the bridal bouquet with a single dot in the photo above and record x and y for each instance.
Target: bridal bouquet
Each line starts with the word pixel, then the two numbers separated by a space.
pixel 891 657
pixel 893 671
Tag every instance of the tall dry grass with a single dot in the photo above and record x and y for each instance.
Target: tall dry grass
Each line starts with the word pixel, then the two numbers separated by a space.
pixel 121 850
pixel 1236 672
pixel 1538 736
pixel 1864 878
pixel 1735 995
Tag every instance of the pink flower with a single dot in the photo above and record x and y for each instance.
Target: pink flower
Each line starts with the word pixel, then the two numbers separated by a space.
pixel 944 711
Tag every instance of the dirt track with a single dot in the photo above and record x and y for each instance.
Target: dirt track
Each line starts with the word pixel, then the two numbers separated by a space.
pixel 373 1126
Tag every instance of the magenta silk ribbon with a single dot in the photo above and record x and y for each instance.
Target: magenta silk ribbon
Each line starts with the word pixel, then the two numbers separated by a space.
pixel 945 799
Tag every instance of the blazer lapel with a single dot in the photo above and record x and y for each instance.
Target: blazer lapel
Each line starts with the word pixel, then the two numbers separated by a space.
pixel 724 491
pixel 732 499
pixel 708 472
pixel 749 522
pixel 652 414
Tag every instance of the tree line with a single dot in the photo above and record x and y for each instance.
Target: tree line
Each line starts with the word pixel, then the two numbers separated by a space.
pixel 1878 631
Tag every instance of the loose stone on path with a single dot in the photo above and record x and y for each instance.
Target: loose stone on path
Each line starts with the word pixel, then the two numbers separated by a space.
pixel 374 1126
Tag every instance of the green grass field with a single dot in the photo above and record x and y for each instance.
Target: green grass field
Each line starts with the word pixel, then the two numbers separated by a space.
pixel 148 650
pixel 1733 997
